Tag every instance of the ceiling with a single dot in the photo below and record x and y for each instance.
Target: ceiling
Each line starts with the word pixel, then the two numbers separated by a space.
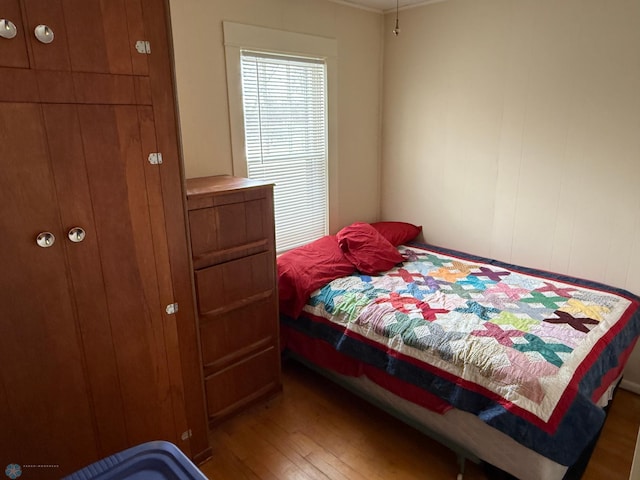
pixel 385 5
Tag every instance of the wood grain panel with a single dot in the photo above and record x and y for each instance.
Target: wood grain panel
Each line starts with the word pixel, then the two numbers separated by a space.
pixel 143 90
pixel 54 55
pixel 18 85
pixel 242 383
pixel 42 374
pixel 209 191
pixel 203 226
pixel 231 282
pixel 118 44
pixel 229 231
pixel 55 86
pixel 238 332
pixel 231 225
pixel 111 139
pixel 135 24
pixel 104 89
pixel 98 36
pixel 67 156
pixel 148 256
pixel 13 52
pixel 220 256
pixel 157 28
pixel 161 250
pixel 258 219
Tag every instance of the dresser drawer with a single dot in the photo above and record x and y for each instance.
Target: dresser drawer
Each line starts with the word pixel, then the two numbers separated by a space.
pixel 241 383
pixel 237 333
pixel 229 231
pixel 227 286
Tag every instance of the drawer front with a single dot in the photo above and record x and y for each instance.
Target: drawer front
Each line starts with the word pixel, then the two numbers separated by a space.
pixel 243 382
pixel 237 333
pixel 206 192
pixel 227 286
pixel 225 232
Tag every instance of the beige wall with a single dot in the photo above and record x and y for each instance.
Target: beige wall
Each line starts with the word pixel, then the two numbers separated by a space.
pixel 202 87
pixel 512 130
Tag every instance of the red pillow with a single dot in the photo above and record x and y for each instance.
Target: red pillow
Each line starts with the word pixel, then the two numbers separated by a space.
pixel 303 270
pixel 367 249
pixel 398 233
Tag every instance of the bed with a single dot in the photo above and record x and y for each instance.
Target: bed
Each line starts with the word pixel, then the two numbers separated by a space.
pixel 504 364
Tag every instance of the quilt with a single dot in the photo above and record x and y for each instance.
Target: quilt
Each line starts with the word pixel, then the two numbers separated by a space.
pixel 527 351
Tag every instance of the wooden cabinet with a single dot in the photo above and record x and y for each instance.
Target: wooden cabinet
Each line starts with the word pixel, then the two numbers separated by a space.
pixel 92 361
pixel 233 247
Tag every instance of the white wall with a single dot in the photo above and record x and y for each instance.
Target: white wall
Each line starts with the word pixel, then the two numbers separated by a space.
pixel 202 88
pixel 512 130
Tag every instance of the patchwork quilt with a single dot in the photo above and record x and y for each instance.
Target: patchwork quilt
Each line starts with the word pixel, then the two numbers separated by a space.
pixel 528 352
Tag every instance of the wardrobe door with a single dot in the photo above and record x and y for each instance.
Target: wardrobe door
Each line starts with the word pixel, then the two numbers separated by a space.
pixel 44 397
pixel 135 267
pixel 62 124
pixel 103 35
pixel 97 36
pixel 120 269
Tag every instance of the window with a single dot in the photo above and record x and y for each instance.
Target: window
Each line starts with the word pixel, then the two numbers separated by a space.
pixel 282 110
pixel 284 105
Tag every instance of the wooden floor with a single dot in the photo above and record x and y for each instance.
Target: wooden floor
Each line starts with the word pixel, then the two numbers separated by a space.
pixel 316 430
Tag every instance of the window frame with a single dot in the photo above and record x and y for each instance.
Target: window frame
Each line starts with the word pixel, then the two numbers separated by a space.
pixel 238 37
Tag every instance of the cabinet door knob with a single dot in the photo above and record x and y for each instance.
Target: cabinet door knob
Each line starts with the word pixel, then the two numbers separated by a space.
pixel 44 34
pixel 45 239
pixel 7 28
pixel 77 234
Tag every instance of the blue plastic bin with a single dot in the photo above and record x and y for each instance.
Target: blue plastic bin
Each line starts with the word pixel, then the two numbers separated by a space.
pixel 148 461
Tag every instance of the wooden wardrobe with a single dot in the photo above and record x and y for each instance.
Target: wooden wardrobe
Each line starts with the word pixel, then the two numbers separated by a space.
pixel 98 340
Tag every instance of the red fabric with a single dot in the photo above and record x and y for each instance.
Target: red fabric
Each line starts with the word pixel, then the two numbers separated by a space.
pixel 321 353
pixel 325 356
pixel 303 270
pixel 367 249
pixel 397 233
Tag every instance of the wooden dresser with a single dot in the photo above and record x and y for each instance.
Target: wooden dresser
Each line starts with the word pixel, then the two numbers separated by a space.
pixel 233 249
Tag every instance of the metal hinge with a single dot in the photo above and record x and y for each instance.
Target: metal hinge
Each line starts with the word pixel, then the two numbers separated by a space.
pixel 144 47
pixel 172 308
pixel 155 158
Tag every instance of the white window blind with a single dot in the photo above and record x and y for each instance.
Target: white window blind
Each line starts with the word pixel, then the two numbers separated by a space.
pixel 285 124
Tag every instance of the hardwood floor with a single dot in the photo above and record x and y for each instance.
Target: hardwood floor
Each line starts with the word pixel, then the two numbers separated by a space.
pixel 316 430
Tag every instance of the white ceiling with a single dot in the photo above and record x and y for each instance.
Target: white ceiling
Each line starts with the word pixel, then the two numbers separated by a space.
pixel 385 5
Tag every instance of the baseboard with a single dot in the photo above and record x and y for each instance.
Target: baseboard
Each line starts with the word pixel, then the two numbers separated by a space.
pixel 631 386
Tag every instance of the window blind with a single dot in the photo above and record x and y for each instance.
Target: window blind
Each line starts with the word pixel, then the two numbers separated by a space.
pixel 285 124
